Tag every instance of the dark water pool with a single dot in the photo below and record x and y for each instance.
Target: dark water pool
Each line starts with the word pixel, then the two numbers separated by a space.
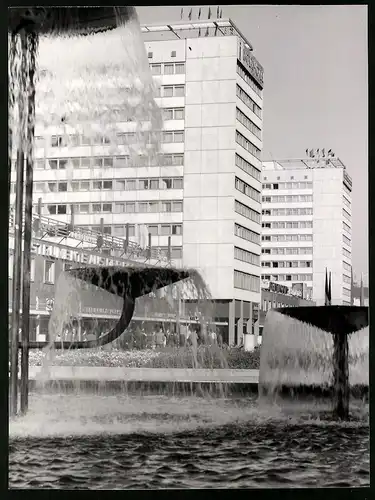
pixel 157 443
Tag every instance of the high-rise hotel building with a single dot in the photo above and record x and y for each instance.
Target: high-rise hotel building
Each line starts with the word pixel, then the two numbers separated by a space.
pixel 206 192
pixel 306 226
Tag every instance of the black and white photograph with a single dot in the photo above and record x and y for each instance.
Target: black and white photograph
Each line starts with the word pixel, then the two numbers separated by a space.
pixel 188 247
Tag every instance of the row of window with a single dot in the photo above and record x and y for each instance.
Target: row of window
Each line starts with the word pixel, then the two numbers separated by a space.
pixel 288 199
pixel 288 237
pixel 151 54
pixel 346 292
pixel 302 224
pixel 291 178
pixel 246 281
pixel 166 137
pixel 246 144
pixel 153 229
pixel 346 253
pixel 173 113
pixel 246 234
pixel 247 100
pixel 109 161
pixel 346 240
pixel 346 202
pixel 168 69
pixel 247 78
pixel 287 211
pixel 286 263
pixel 346 266
pixel 246 122
pixel 346 214
pixel 170 91
pixel 110 185
pixel 288 185
pixel 247 167
pixel 247 212
pixel 124 207
pixel 346 279
pixel 247 190
pixel 288 277
pixel 246 256
pixel 288 251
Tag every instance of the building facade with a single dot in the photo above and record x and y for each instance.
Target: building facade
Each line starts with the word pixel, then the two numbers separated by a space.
pixel 306 224
pixel 203 193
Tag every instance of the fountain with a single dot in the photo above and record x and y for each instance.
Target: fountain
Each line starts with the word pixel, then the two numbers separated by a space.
pixel 306 346
pixel 25 26
pixel 117 441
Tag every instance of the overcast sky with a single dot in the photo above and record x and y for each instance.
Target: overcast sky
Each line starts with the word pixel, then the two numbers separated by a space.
pixel 315 90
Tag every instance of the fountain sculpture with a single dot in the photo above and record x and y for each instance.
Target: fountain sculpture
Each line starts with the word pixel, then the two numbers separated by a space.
pixel 339 321
pixel 24 27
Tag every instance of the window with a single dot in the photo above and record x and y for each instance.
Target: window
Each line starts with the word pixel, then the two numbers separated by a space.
pixel 85 140
pixel 245 75
pixel 107 207
pixel 52 209
pixel 246 189
pixel 177 183
pixel 168 137
pixel 173 53
pixel 97 185
pixel 249 146
pixel 130 207
pixel 167 114
pixel 153 230
pixel 131 184
pixel 246 281
pixel 49 271
pixel 108 162
pixel 38 187
pixel 63 187
pixel 168 69
pixel 143 184
pixel 246 122
pixel 32 269
pixel 346 227
pixel 62 209
pixel 176 253
pixel 246 234
pixel 166 183
pixel 143 207
pixel 246 99
pixel 155 69
pixel 180 68
pixel 165 230
pixel 97 162
pixel 154 183
pixel 247 212
pixel 176 206
pixel 176 229
pixel 107 184
pixel 53 164
pixel 153 206
pixel 57 141
pixel 179 91
pixel 167 91
pixel 166 206
pixel 96 207
pixel 149 55
pixel 84 208
pixel 246 256
pixel 39 164
pixel 85 162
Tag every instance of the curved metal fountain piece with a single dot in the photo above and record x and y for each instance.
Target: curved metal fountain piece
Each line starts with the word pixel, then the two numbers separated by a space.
pixel 341 320
pixel 57 20
pixel 128 283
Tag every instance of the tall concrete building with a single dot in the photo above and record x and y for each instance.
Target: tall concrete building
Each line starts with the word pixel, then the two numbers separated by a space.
pixel 205 192
pixel 306 219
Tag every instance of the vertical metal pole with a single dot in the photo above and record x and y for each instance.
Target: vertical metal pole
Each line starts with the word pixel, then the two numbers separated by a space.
pixel 72 216
pixel 31 49
pixel 16 292
pixel 127 238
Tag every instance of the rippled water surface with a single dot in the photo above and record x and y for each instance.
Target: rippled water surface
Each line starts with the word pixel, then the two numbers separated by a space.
pixel 112 442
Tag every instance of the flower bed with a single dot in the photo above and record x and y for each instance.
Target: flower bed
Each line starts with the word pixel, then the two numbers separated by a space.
pixel 164 358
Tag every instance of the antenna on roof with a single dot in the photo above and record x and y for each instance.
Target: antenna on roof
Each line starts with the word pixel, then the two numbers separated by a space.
pixel 209 13
pixel 199 13
pixel 182 13
pixel 190 13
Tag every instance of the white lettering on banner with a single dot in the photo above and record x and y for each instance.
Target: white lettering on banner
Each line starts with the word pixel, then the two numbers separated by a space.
pixel 76 256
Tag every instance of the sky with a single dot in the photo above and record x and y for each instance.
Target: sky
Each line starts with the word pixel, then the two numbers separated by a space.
pixel 315 87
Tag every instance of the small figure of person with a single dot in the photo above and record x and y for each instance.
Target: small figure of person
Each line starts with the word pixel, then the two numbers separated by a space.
pixel 160 338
